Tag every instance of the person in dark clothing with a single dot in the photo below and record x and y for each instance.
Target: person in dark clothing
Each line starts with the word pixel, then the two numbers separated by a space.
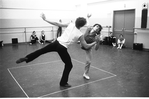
pixel 112 39
pixel 59 30
pixel 42 37
pixel 33 38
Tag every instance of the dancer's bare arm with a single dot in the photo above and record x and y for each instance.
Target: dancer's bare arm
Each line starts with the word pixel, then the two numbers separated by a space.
pixel 84 44
pixel 53 23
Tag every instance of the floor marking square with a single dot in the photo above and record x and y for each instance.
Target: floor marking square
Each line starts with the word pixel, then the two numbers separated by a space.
pixel 42 80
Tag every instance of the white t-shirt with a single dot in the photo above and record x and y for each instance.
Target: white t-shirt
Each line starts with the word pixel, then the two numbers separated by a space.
pixel 119 41
pixel 70 35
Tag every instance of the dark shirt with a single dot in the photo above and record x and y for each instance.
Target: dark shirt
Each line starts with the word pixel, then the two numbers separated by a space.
pixel 43 37
pixel 34 37
pixel 90 38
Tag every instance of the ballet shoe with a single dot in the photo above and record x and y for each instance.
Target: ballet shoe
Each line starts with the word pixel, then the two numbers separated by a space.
pixel 86 76
pixel 21 60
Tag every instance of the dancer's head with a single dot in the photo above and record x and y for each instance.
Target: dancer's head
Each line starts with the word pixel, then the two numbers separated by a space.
pixel 121 36
pixel 97 28
pixel 80 22
pixel 42 32
pixel 34 32
pixel 60 21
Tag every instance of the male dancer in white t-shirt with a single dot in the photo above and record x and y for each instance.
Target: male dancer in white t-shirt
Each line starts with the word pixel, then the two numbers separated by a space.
pixel 71 35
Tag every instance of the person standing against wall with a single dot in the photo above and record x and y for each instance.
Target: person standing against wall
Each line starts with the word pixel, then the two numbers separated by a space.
pixel 59 30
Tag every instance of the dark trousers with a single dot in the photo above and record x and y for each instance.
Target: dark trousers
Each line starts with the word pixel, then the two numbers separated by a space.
pixel 42 41
pixel 63 53
pixel 33 41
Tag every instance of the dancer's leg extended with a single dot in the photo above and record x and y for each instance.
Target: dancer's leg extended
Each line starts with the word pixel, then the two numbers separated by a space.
pixel 37 53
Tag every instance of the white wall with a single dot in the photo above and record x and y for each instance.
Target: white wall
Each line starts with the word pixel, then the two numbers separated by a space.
pixel 26 13
pixel 24 10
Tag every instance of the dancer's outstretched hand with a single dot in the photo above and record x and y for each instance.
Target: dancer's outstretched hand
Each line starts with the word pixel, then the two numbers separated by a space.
pixel 89 15
pixel 43 16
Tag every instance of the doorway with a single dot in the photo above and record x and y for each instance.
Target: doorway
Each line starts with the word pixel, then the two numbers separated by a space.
pixel 123 23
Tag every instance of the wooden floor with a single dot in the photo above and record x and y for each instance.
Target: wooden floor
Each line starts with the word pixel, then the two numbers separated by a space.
pixel 114 73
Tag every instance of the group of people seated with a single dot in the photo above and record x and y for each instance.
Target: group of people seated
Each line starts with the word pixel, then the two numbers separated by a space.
pixel 119 43
pixel 112 41
pixel 34 39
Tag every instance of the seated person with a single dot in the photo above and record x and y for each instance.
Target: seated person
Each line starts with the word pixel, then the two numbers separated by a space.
pixel 33 38
pixel 112 39
pixel 120 41
pixel 42 37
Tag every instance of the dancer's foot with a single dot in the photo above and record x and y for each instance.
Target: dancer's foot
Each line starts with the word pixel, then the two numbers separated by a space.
pixel 21 60
pixel 66 85
pixel 86 76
